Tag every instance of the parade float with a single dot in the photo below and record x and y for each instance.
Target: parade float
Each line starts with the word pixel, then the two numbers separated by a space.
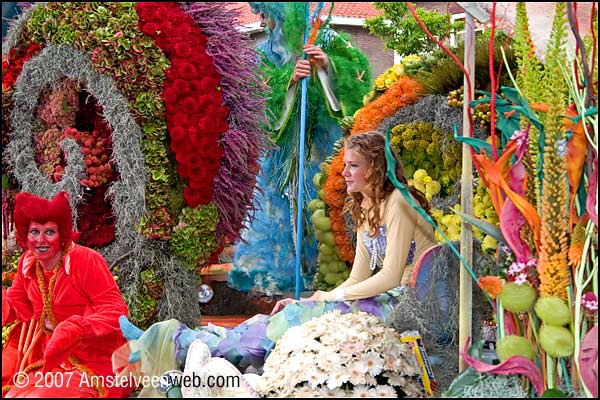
pixel 533 141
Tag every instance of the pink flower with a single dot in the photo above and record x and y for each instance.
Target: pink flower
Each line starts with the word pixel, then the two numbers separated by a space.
pixel 521 279
pixel 589 302
pixel 532 262
pixel 516 268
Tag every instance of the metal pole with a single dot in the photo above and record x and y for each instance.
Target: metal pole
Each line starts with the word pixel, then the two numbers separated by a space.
pixel 466 192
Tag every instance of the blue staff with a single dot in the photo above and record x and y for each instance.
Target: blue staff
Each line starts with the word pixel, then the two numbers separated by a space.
pixel 303 96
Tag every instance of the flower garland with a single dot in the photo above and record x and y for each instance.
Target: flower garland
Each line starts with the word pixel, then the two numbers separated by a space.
pixel 404 92
pixel 334 193
pixel 236 61
pixel 47 296
pixel 195 116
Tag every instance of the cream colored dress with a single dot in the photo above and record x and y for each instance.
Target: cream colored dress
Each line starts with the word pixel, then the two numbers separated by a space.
pixel 386 261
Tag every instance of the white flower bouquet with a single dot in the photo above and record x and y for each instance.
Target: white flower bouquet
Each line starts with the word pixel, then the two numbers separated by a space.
pixel 341 355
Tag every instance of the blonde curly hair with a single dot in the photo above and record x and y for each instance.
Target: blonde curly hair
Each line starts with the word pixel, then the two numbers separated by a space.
pixel 371 146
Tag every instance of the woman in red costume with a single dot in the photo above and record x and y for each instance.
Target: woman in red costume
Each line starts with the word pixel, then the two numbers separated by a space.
pixel 69 304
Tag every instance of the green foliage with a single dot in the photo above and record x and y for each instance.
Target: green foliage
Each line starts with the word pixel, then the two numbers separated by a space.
pixel 142 308
pixel 439 74
pixel 403 34
pixel 194 237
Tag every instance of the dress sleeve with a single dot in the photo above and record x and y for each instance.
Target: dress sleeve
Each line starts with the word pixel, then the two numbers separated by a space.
pixel 360 268
pixel 106 304
pixel 400 223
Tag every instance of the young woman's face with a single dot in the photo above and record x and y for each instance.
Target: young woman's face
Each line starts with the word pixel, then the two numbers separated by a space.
pixel 355 169
pixel 43 241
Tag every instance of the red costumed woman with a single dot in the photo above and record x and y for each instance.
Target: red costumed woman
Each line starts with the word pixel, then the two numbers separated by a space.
pixel 69 304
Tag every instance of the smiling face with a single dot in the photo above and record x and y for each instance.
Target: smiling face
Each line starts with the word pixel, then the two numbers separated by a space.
pixel 43 241
pixel 354 173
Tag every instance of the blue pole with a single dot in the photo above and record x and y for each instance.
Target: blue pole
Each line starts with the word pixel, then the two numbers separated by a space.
pixel 300 204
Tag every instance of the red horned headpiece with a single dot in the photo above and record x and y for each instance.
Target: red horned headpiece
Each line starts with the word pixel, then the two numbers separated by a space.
pixel 30 208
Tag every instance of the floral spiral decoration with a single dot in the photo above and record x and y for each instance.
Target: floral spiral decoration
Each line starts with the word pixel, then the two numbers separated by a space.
pixel 149 115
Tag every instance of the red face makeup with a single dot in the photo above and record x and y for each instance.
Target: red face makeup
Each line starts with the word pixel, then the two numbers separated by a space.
pixel 43 241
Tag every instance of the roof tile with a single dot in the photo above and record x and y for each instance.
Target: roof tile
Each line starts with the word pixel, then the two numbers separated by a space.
pixel 340 9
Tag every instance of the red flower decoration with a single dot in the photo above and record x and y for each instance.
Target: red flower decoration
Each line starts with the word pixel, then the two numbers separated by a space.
pixel 192 197
pixel 181 87
pixel 196 118
pixel 183 50
pixel 207 84
pixel 187 71
pixel 170 95
pixel 149 28
pixel 178 133
pixel 189 105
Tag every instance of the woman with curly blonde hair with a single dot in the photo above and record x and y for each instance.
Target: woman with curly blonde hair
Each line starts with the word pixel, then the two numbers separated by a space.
pixel 391 235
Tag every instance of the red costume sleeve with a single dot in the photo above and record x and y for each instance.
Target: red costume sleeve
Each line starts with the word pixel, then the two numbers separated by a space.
pixel 95 281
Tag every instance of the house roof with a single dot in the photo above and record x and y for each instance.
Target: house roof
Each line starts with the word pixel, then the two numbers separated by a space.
pixel 340 9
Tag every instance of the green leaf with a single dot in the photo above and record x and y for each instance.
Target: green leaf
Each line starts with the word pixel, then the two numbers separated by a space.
pixel 476 144
pixel 554 393
pixel 487 228
pixel 5 183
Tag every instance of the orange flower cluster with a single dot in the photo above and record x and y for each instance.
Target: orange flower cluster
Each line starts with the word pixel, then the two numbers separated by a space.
pixel 577 242
pixel 334 194
pixel 404 92
pixel 554 276
pixel 492 285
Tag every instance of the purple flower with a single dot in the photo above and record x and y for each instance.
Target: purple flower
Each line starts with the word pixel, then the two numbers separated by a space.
pixel 369 305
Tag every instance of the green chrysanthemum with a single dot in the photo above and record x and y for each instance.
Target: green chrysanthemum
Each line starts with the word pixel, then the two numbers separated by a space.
pixel 515 346
pixel 517 298
pixel 553 311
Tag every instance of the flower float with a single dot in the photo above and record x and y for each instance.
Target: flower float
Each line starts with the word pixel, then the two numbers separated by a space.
pixel 148 114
